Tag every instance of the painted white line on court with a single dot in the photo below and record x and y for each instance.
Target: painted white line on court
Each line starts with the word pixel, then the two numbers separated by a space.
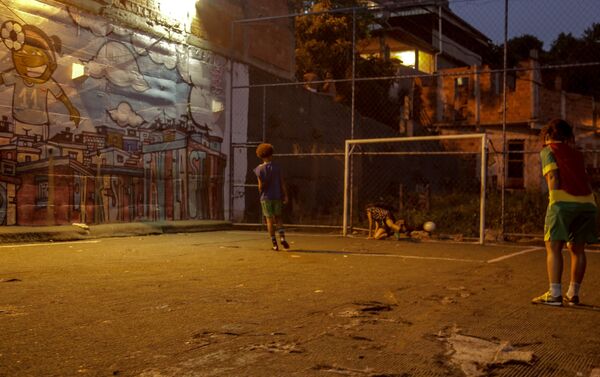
pixel 415 257
pixel 514 254
pixel 288 234
pixel 48 244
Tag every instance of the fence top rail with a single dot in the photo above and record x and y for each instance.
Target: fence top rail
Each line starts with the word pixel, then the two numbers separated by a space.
pixel 413 138
pixel 369 9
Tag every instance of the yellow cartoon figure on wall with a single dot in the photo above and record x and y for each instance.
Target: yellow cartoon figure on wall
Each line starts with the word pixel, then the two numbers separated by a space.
pixel 34 59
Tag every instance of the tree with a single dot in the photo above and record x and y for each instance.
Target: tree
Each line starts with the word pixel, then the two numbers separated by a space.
pixel 519 49
pixel 324 41
pixel 566 50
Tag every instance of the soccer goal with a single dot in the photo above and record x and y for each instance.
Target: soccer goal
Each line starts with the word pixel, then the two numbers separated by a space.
pixel 425 178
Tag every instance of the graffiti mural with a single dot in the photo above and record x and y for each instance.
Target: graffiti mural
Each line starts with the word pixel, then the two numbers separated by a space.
pixel 105 124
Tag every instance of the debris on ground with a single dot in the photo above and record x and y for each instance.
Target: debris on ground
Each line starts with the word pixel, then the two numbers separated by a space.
pixel 476 356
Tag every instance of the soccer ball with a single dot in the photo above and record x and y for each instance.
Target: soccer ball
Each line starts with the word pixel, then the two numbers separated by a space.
pixel 429 226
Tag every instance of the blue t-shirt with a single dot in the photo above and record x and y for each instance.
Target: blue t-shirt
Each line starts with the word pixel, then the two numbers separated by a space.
pixel 270 176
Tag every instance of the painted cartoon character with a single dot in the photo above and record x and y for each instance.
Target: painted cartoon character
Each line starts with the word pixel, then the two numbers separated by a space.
pixel 34 60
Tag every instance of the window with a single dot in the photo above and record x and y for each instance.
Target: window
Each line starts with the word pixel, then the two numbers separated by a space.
pixel 498 82
pixel 426 62
pixel 8 169
pixel 73 155
pixel 515 175
pixel 407 58
pixel 119 158
pixel 41 196
pixel 461 98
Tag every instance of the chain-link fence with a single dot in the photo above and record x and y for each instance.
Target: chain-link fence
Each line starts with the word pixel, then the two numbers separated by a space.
pixel 384 69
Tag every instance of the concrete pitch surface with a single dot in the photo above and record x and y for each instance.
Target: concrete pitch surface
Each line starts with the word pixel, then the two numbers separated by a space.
pixel 223 304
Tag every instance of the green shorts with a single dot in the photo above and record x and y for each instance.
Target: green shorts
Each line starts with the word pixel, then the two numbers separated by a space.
pixel 573 222
pixel 271 208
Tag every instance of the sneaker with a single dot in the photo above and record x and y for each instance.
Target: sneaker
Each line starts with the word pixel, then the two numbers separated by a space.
pixel 285 244
pixel 548 299
pixel 571 301
pixel 275 247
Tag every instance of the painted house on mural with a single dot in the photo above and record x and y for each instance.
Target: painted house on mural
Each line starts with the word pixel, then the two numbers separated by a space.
pixel 118 111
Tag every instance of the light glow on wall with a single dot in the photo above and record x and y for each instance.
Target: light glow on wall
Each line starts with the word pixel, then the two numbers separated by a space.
pixel 182 11
pixel 77 70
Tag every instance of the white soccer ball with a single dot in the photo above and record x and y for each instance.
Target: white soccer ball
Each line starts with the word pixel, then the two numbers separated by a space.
pixel 429 226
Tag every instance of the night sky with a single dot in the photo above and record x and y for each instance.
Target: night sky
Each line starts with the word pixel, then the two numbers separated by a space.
pixel 544 19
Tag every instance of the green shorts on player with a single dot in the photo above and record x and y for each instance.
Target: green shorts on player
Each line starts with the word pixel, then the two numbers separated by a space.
pixel 271 208
pixel 570 221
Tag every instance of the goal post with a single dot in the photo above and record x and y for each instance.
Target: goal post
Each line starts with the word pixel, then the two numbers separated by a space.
pixel 434 160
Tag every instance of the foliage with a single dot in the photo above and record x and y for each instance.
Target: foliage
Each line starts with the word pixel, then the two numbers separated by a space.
pixel 566 49
pixel 324 40
pixel 455 213
pixel 324 46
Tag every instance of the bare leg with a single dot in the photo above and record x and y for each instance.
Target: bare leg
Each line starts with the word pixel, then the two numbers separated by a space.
pixel 370 217
pixel 271 230
pixel 279 221
pixel 393 226
pixel 270 227
pixel 554 261
pixel 380 233
pixel 578 261
pixel 554 265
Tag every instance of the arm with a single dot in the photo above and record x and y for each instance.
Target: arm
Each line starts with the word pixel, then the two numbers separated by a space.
pixel 73 112
pixel 552 180
pixel 284 192
pixel 370 217
pixel 260 185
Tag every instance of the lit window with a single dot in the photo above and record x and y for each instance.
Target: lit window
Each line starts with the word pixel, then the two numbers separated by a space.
pixel 426 63
pixel 406 57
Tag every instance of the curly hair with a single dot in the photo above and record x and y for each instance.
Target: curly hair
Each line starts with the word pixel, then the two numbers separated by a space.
pixel 557 129
pixel 264 150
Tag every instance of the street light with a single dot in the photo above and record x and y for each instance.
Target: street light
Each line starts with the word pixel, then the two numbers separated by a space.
pixel 182 11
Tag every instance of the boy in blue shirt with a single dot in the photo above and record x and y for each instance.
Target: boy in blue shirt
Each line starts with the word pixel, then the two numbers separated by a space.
pixel 272 193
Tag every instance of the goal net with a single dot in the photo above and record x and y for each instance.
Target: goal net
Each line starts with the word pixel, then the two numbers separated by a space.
pixel 424 178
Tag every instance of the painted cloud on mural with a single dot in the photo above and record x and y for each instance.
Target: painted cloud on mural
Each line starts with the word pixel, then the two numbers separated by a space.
pixel 115 62
pixel 124 116
pixel 160 52
pixel 196 69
